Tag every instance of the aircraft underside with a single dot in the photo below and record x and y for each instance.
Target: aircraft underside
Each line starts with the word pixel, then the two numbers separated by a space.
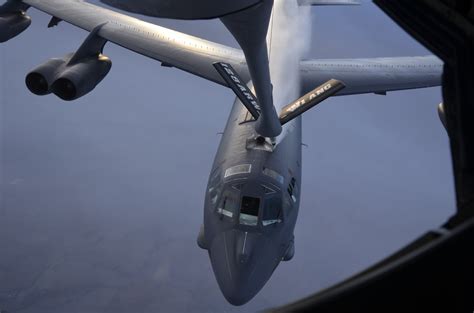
pixel 182 9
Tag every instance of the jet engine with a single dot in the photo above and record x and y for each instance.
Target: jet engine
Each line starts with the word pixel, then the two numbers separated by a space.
pixel 81 78
pixel 68 81
pixel 40 79
pixel 12 24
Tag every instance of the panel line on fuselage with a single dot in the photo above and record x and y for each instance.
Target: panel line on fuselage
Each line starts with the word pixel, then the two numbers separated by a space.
pixel 245 241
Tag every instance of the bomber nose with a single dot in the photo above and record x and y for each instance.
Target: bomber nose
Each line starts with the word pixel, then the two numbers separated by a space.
pixel 241 264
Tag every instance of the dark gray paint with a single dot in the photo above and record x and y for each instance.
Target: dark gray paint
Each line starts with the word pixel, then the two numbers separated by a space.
pixel 244 257
pixel 86 186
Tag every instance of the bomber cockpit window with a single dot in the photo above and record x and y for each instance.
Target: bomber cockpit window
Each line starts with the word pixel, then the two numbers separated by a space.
pixel 272 213
pixel 249 211
pixel 238 169
pixel 214 195
pixel 214 187
pixel 228 205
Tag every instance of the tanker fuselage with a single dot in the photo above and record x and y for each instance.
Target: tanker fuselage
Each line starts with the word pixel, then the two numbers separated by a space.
pixel 182 9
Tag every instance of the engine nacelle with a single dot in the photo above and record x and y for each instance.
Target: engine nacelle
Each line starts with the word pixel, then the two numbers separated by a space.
pixel 40 79
pixel 81 78
pixel 13 24
pixel 68 81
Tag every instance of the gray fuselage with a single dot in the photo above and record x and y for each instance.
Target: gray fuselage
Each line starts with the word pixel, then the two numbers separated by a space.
pixel 251 205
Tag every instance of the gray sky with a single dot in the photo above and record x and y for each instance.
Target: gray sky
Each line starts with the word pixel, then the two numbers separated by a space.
pixel 102 197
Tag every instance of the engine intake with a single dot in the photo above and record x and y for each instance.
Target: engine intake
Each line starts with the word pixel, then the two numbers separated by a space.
pixel 68 81
pixel 81 78
pixel 40 79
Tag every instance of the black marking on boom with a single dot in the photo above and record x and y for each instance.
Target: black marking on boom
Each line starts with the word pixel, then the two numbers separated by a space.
pixel 309 100
pixel 239 87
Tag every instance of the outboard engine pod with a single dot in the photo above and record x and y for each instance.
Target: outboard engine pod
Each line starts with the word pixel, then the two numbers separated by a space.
pixel 39 80
pixel 81 78
pixel 13 24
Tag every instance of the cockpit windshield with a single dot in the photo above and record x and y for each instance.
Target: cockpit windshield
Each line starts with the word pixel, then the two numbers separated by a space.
pixel 272 211
pixel 229 204
pixel 249 211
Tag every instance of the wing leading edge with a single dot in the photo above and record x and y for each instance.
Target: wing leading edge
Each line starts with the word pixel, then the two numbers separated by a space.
pixel 197 56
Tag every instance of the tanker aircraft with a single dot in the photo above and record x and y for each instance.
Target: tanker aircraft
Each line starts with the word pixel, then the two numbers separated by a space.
pixel 253 193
